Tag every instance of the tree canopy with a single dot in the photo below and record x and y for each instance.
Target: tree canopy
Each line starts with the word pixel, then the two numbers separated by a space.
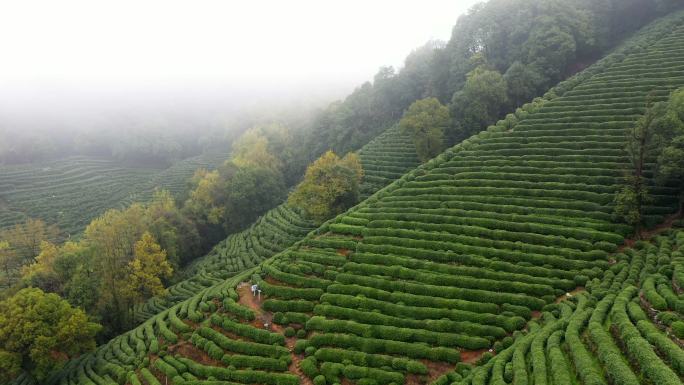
pixel 425 120
pixel 39 332
pixel 330 186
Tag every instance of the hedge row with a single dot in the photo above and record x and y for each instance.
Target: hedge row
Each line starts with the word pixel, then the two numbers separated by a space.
pixel 244 330
pixel 455 281
pixel 300 306
pixel 230 306
pixel 443 291
pixel 373 360
pixel 285 292
pixel 636 346
pixel 393 333
pixel 458 270
pixel 249 348
pixel 441 320
pixel 372 345
pixel 241 376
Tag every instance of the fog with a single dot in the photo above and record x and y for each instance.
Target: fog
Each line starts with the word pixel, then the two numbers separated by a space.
pixel 59 57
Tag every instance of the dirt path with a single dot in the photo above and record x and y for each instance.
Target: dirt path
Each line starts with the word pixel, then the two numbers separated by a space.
pixel 247 299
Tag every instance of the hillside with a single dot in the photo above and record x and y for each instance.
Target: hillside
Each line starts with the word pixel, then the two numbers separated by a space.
pixel 72 191
pixel 617 331
pixel 384 159
pixel 451 260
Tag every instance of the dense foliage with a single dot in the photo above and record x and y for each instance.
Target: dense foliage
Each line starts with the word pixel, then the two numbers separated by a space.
pixel 654 148
pixel 330 186
pixel 40 332
pixel 425 120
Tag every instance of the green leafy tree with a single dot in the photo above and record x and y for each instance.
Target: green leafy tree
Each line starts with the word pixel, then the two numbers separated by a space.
pixel 330 186
pixel 670 159
pixel 425 120
pixel 176 233
pixel 523 83
pixel 251 192
pixel 479 104
pixel 641 146
pixel 550 47
pixel 39 332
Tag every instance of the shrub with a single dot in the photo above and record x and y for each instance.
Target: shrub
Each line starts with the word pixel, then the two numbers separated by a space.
pixel 319 380
pixel 678 329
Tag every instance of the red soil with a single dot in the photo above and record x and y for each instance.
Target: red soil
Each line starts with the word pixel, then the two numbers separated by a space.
pixel 186 349
pixel 436 369
pixel 471 356
pixel 247 299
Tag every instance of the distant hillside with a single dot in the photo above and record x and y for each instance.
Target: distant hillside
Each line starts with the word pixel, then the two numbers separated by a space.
pixel 72 191
pixel 453 259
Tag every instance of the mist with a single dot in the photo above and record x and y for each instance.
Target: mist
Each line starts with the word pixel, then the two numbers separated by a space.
pixel 71 62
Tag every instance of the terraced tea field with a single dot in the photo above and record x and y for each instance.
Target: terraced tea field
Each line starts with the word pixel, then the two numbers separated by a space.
pixel 272 233
pixel 383 160
pixel 68 192
pixel 502 246
pixel 621 330
pixel 71 192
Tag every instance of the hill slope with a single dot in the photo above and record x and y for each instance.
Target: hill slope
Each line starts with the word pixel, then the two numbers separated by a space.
pixel 384 159
pixel 440 265
pixel 621 330
pixel 71 192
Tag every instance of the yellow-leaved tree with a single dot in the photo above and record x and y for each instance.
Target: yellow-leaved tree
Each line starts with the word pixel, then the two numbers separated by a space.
pixel 330 186
pixel 147 269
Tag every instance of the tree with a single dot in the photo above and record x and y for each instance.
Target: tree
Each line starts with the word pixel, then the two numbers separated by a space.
pixel 41 273
pixel 252 149
pixel 111 239
pixel 670 139
pixel 633 196
pixel 39 332
pixel 479 104
pixel 9 263
pixel 251 192
pixel 175 232
pixel 204 203
pixel 523 82
pixel 25 238
pixel 147 270
pixel 550 48
pixel 330 186
pixel 425 120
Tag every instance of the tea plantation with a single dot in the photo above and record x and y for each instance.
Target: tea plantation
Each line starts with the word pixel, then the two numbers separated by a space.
pixel 72 191
pixel 384 159
pixel 497 262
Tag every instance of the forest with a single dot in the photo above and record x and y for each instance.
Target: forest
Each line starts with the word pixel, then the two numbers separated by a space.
pixel 506 207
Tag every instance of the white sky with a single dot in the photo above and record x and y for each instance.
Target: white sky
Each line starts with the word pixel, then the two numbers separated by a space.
pixel 86 46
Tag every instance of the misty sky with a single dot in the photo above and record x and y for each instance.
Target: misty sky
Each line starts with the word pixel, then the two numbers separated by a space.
pixel 54 50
